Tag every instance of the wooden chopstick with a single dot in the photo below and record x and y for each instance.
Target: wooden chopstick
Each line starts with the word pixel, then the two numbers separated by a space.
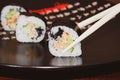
pixel 95 26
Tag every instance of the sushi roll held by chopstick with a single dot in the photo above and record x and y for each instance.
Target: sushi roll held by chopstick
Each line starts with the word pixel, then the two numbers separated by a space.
pixel 30 28
pixel 9 16
pixel 62 34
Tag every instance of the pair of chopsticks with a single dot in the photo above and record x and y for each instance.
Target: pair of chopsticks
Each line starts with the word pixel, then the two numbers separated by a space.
pixel 104 17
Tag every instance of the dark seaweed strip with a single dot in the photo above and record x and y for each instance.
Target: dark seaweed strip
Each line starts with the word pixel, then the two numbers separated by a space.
pixel 39 31
pixel 59 33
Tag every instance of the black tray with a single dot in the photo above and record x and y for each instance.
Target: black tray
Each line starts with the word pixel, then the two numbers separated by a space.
pixel 100 51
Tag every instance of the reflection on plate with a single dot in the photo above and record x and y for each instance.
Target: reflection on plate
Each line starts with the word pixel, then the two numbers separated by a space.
pixel 28 54
pixel 68 61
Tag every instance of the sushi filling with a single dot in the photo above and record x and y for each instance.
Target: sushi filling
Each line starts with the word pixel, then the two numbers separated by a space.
pixel 32 30
pixel 63 39
pixel 11 18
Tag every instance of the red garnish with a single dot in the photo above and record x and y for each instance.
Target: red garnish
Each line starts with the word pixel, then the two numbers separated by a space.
pixel 57 6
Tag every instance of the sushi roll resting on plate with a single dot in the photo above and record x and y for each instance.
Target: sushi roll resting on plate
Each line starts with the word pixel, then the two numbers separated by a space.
pixel 62 34
pixel 9 16
pixel 30 28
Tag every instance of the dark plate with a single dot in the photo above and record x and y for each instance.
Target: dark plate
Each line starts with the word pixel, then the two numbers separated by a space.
pixel 100 51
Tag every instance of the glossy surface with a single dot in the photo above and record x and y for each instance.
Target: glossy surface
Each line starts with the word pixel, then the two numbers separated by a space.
pixel 100 54
pixel 100 47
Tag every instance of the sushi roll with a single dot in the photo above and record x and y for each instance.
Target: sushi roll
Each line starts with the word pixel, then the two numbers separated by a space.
pixel 62 34
pixel 9 16
pixel 31 27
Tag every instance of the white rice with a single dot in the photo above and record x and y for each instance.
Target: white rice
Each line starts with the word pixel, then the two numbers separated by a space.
pixel 77 48
pixel 21 33
pixel 5 10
